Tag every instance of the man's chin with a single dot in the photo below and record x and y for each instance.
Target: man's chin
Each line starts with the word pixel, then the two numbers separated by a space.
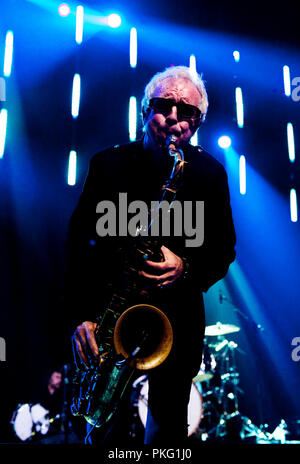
pixel 157 144
pixel 160 141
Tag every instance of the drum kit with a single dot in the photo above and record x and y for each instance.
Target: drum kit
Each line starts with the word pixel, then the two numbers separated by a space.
pixel 213 407
pixel 35 423
pixel 218 382
pixel 30 421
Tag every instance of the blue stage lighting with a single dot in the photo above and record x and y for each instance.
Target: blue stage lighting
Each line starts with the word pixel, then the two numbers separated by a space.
pixel 64 10
pixel 133 47
pixel 194 139
pixel 114 20
pixel 287 80
pixel 75 96
pixel 193 66
pixel 72 168
pixel 242 174
pixel 79 24
pixel 8 54
pixel 224 142
pixel 239 107
pixel 236 56
pixel 3 124
pixel 293 205
pixel 291 141
pixel 132 119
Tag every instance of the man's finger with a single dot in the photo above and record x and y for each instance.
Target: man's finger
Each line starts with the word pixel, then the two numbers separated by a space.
pixel 92 343
pixel 150 276
pixel 83 336
pixel 155 265
pixel 78 343
pixel 166 252
pixel 166 283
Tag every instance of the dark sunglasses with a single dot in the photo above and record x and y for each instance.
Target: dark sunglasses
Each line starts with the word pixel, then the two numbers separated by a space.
pixel 184 110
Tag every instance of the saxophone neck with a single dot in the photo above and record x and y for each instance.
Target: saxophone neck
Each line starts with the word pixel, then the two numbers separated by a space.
pixel 175 152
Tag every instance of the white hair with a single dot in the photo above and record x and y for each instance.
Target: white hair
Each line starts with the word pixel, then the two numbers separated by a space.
pixel 176 72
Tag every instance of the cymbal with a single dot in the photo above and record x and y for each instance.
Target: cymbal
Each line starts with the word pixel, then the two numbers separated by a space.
pixel 202 376
pixel 221 329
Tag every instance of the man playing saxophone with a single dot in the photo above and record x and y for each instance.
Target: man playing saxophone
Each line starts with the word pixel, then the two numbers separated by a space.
pixel 174 105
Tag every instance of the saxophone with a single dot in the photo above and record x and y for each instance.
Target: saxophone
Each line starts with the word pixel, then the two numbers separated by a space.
pixel 138 337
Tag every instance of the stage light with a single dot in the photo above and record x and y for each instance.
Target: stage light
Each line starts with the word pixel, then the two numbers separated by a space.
pixel 132 119
pixel 242 174
pixel 293 205
pixel 239 107
pixel 291 141
pixel 224 142
pixel 114 20
pixel 79 24
pixel 236 56
pixel 193 65
pixel 3 124
pixel 133 47
pixel 76 95
pixel 64 10
pixel 194 139
pixel 72 168
pixel 8 53
pixel 287 80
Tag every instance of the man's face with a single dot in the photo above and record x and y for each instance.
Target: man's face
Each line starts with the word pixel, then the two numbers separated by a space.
pixel 160 125
pixel 55 380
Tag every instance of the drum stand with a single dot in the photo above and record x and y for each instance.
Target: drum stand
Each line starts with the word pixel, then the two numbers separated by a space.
pixel 232 426
pixel 230 418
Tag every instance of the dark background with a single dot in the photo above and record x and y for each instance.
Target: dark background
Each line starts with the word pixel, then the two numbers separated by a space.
pixel 36 202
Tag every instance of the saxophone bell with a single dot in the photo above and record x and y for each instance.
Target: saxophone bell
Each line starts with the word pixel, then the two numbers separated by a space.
pixel 142 339
pixel 148 328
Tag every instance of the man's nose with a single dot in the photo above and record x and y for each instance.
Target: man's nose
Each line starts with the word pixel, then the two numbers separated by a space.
pixel 172 117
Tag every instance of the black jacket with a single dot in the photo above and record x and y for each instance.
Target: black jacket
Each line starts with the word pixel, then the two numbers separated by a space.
pixel 93 261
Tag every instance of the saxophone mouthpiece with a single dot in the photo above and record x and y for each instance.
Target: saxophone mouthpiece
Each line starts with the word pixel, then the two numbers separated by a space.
pixel 173 151
pixel 170 142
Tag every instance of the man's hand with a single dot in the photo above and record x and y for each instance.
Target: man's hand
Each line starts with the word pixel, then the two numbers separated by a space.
pixel 160 275
pixel 85 342
pixel 165 273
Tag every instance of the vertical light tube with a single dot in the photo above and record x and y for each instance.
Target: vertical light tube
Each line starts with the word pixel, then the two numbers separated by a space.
pixel 239 107
pixel 72 168
pixel 76 95
pixel 293 205
pixel 193 68
pixel 8 54
pixel 192 65
pixel 3 125
pixel 290 141
pixel 132 119
pixel 133 47
pixel 287 80
pixel 79 24
pixel 194 139
pixel 242 170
